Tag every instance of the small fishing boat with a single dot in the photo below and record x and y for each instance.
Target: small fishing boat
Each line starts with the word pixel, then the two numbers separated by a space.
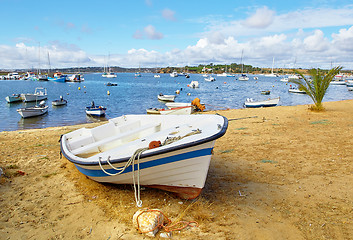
pixel 75 78
pixel 243 77
pixel 94 110
pixel 194 84
pixel 296 90
pixel 37 110
pixel 173 151
pixel 59 102
pixel 111 84
pixel 250 103
pixel 166 98
pixel 210 79
pixel 38 95
pixel 174 74
pixel 14 98
pixel 157 76
pixel 267 92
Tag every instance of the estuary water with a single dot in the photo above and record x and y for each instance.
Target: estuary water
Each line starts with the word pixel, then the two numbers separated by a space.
pixel 133 95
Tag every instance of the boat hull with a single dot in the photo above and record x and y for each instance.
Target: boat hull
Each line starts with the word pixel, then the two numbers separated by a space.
pixel 180 166
pixel 95 111
pixel 163 171
pixel 59 102
pixel 32 111
pixel 14 98
pixel 166 98
pixel 267 103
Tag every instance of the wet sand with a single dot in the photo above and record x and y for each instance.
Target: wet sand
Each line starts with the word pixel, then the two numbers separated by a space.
pixel 278 173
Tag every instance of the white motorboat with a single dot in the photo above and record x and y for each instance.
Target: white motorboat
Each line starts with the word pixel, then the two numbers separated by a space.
pixel 210 79
pixel 338 82
pixel 14 98
pixel 38 95
pixel 296 90
pixel 157 76
pixel 194 84
pixel 250 103
pixel 173 151
pixel 75 78
pixel 284 79
pixel 109 75
pixel 37 110
pixel 166 98
pixel 59 102
pixel 174 74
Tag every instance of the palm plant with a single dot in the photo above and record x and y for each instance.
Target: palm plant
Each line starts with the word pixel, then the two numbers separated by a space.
pixel 317 85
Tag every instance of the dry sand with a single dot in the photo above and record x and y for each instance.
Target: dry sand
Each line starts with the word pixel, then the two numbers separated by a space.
pixel 285 174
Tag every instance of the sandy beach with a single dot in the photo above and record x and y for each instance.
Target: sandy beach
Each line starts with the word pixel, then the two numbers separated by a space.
pixel 278 173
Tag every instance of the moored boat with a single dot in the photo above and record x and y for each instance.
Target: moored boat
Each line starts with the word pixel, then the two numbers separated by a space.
pixel 174 151
pixel 250 103
pixel 59 102
pixel 193 84
pixel 166 98
pixel 177 104
pixel 266 92
pixel 210 79
pixel 37 110
pixel 94 110
pixel 39 94
pixel 14 98
pixel 296 90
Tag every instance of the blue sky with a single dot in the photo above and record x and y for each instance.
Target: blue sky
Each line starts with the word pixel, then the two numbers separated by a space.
pixel 150 33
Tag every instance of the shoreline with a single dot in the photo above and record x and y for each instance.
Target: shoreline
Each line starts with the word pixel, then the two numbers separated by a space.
pixel 284 174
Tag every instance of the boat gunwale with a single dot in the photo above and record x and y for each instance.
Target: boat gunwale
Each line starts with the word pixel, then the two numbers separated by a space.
pixel 150 154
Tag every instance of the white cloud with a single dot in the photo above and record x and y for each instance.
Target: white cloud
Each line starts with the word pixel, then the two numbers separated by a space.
pixel 316 42
pixel 262 18
pixel 152 33
pixel 149 32
pixel 344 39
pixel 168 14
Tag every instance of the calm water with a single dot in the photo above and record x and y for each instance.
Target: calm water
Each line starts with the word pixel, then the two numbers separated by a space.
pixel 133 95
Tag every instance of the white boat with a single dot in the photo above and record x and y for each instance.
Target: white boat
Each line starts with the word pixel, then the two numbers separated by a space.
pixel 194 84
pixel 59 102
pixel 173 151
pixel 14 98
pixel 293 77
pixel 174 74
pixel 94 110
pixel 256 78
pixel 184 110
pixel 38 95
pixel 222 74
pixel 296 90
pixel 157 76
pixel 109 75
pixel 338 82
pixel 210 79
pixel 75 78
pixel 284 79
pixel 137 74
pixel 250 103
pixel 37 110
pixel 243 77
pixel 166 98
pixel 349 85
pixel 176 104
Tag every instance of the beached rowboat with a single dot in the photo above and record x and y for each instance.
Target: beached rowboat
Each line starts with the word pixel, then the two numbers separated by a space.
pixel 176 150
pixel 249 103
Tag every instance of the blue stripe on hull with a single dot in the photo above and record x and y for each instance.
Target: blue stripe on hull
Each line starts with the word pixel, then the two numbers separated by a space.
pixel 148 164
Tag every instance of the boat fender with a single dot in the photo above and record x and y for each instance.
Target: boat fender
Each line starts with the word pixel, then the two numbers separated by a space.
pixel 154 144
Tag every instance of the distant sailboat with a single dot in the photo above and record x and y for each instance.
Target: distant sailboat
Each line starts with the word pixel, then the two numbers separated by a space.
pixel 243 76
pixel 272 74
pixel 107 71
